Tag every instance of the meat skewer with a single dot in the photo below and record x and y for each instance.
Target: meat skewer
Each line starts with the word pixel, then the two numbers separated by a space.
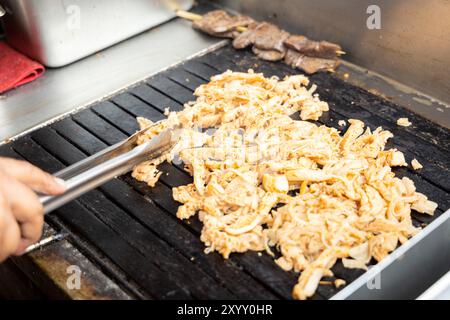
pixel 268 41
pixel 197 17
pixel 309 64
pixel 218 23
pixel 311 48
pixel 242 23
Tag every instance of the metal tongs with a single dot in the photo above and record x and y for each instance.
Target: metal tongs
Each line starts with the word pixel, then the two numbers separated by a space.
pixel 118 159
pixel 97 169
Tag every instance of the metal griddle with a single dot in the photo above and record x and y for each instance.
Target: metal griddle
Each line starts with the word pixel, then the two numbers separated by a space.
pixel 137 239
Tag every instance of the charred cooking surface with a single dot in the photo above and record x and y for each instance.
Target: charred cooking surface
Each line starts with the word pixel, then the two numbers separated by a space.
pixel 135 227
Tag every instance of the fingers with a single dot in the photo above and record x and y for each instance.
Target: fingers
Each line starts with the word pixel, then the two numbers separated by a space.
pixel 22 247
pixel 26 210
pixel 21 216
pixel 32 176
pixel 21 212
pixel 9 230
pixel 11 237
pixel 30 233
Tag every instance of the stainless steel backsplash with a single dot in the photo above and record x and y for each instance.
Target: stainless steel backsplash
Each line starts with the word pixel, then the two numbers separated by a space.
pixel 412 46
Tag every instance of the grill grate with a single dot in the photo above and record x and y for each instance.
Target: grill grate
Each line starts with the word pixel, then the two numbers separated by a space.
pixel 134 227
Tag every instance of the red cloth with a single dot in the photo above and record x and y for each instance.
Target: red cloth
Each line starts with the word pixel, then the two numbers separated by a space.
pixel 16 69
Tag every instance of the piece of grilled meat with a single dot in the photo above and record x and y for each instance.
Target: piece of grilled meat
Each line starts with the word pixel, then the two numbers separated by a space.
pixel 311 48
pixel 309 64
pixel 219 24
pixel 270 42
pixel 266 38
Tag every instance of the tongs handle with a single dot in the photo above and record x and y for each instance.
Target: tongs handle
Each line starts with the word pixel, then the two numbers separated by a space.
pixel 98 169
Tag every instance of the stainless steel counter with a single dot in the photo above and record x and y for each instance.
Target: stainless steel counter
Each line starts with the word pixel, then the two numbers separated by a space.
pixel 73 87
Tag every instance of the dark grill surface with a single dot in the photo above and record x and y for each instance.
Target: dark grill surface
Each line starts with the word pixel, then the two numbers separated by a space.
pixel 131 229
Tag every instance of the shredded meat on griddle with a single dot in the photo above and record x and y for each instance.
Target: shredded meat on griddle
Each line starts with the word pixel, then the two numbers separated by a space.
pixel 219 24
pixel 264 181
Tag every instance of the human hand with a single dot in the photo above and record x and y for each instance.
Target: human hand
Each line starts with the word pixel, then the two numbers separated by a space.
pixel 21 212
